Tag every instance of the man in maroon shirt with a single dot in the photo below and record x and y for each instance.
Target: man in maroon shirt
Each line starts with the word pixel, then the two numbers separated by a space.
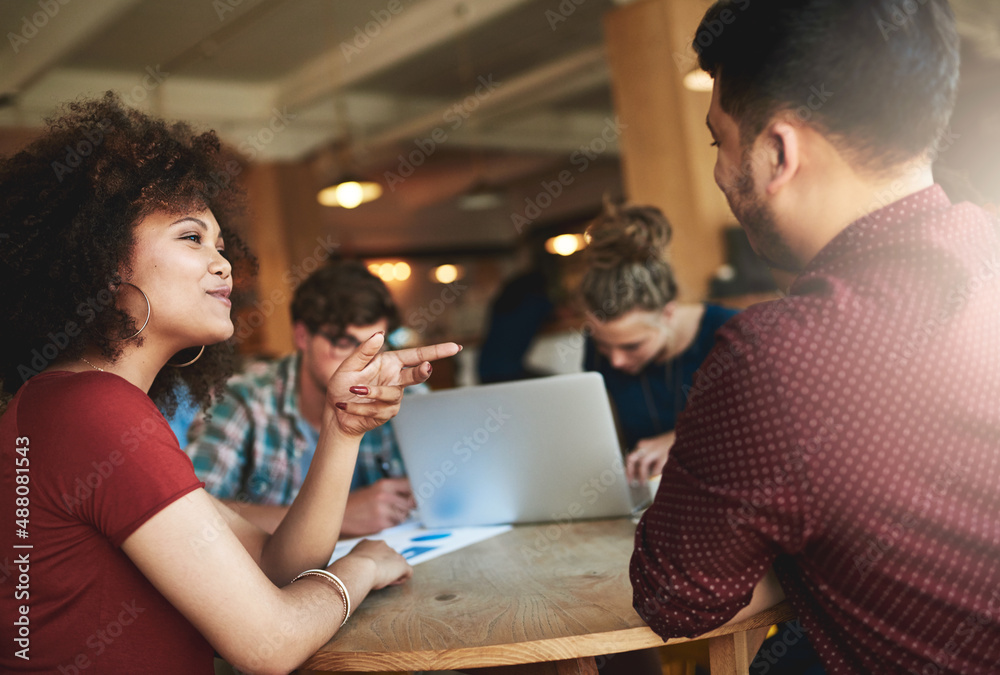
pixel 848 435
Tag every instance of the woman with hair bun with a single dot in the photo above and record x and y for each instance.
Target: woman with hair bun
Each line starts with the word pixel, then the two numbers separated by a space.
pixel 645 344
pixel 116 261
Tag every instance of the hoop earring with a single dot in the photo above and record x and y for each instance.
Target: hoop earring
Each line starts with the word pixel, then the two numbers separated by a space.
pixel 149 311
pixel 184 365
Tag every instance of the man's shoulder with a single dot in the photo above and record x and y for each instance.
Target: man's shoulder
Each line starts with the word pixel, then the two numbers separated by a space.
pixel 751 348
pixel 773 322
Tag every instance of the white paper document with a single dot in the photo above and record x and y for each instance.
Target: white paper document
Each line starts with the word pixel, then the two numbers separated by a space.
pixel 418 544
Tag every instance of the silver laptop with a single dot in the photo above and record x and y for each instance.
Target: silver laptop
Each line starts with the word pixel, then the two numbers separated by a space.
pixel 519 452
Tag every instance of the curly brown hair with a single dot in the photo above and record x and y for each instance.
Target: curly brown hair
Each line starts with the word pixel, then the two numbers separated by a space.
pixel 70 203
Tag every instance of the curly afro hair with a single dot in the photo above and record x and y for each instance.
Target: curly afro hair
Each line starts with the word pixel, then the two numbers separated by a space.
pixel 69 205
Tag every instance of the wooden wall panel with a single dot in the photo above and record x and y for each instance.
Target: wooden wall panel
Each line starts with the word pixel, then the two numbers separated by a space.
pixel 666 155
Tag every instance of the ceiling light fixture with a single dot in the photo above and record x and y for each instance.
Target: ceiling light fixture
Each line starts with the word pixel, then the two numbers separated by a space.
pixel 698 80
pixel 565 244
pixel 349 193
pixel 479 198
pixel 446 274
pixel 390 271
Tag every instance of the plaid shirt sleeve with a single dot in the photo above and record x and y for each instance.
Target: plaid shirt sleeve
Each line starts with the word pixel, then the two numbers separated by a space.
pixel 218 448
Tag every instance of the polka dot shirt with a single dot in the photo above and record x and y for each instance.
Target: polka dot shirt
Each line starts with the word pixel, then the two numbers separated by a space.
pixel 849 436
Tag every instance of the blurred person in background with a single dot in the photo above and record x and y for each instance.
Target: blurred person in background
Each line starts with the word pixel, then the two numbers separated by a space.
pixel 257 442
pixel 645 343
pixel 517 314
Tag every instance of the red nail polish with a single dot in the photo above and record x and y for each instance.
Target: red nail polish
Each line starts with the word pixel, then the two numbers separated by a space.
pixel 359 390
pixel 341 405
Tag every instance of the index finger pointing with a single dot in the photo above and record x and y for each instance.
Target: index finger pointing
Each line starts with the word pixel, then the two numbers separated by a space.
pixel 417 355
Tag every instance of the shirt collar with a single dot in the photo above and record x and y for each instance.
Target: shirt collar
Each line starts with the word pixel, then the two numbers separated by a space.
pixel 872 227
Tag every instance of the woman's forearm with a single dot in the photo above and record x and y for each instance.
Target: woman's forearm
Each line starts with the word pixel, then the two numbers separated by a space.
pixel 307 534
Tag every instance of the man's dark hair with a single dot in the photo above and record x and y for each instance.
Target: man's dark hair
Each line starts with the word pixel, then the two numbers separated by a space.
pixel 877 77
pixel 341 294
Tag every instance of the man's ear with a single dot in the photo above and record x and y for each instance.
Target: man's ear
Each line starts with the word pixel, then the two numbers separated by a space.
pixel 300 335
pixel 784 152
pixel 668 310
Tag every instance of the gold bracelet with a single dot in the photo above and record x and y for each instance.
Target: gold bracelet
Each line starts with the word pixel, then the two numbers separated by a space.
pixel 335 580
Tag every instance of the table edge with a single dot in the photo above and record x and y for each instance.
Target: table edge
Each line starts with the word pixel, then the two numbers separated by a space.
pixel 550 649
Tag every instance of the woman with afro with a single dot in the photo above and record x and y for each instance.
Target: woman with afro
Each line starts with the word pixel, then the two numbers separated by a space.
pixel 117 252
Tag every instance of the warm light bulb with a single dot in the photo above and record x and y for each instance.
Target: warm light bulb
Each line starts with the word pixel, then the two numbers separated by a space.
pixel 373 268
pixel 349 194
pixel 387 271
pixel 401 271
pixel 445 274
pixel 698 80
pixel 565 244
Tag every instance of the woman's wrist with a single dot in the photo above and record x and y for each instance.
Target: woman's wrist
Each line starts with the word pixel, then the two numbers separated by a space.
pixel 358 571
pixel 332 426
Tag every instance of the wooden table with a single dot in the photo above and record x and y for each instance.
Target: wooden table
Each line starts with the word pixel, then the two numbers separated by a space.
pixel 551 596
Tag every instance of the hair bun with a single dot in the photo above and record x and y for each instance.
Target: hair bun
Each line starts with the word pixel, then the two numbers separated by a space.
pixel 625 233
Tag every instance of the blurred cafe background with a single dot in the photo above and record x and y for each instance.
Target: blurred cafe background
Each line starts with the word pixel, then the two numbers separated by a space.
pixel 452 145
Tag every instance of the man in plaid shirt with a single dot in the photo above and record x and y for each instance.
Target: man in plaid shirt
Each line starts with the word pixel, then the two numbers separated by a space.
pixel 256 447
